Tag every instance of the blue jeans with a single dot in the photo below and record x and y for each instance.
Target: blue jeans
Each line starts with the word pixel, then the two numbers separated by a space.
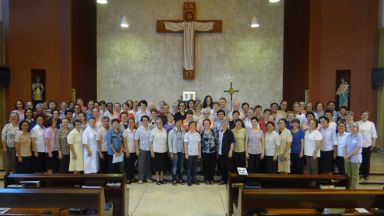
pixel 177 165
pixel 191 168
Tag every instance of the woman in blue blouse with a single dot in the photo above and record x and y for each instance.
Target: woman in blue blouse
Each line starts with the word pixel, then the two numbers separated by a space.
pixel 115 146
pixel 209 147
pixel 297 147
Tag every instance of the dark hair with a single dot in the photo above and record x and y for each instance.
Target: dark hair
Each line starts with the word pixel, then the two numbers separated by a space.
pixel 125 103
pixel 79 107
pixel 55 110
pixel 221 111
pixel 296 120
pixel 331 102
pixel 52 101
pixel 254 118
pixel 267 110
pixel 189 112
pixel 271 123
pixel 316 122
pixel 328 111
pixel 341 122
pixel 279 108
pixel 207 120
pixel 153 110
pixel 365 111
pixel 125 113
pixel 49 122
pixel 191 100
pixel 131 119
pixel 309 113
pixel 216 103
pixel 144 116
pixel 92 118
pixel 71 102
pixel 191 122
pixel 67 111
pixel 245 103
pixel 325 118
pixel 91 101
pixel 25 112
pixel 236 111
pixel 39 116
pixel 239 120
pixel 274 104
pixel 21 123
pixel 179 119
pixel 182 102
pixel 223 98
pixel 114 120
pixel 205 102
pixel 143 102
pixel 77 121
pixel 22 102
pixel 318 104
pixel 109 103
pixel 102 102
pixel 344 107
pixel 258 106
pixel 283 120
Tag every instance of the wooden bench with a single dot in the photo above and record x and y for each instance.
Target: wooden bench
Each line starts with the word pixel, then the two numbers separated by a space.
pixel 36 201
pixel 118 196
pixel 277 181
pixel 287 201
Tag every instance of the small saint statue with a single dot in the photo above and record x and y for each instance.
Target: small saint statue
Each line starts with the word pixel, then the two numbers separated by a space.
pixel 343 92
pixel 37 91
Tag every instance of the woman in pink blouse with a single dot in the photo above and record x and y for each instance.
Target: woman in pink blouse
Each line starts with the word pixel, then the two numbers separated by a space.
pixel 19 108
pixel 51 154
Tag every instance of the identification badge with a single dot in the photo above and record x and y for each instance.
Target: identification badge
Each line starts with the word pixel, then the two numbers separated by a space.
pixel 354 141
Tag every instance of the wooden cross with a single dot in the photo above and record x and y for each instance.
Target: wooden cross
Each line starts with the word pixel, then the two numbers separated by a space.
pixel 189 26
pixel 231 91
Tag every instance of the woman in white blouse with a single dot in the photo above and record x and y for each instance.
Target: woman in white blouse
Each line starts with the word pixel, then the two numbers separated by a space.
pixel 130 150
pixel 312 143
pixel 341 138
pixel 328 147
pixel 197 115
pixel 329 114
pixel 248 120
pixel 159 150
pixel 272 145
pixel 38 145
pixel 368 130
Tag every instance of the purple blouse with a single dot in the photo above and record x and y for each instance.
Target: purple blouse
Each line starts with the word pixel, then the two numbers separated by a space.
pixel 353 142
pixel 254 141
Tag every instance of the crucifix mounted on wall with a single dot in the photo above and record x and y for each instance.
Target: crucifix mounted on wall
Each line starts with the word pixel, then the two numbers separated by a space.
pixel 189 26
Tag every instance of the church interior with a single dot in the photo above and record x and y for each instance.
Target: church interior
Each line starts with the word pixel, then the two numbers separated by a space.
pixel 267 50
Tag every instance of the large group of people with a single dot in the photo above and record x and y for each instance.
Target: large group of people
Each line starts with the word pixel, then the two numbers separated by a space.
pixel 74 138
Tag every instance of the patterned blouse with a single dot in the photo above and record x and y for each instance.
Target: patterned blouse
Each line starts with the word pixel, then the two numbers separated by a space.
pixel 61 141
pixel 272 140
pixel 9 134
pixel 208 141
pixel 254 141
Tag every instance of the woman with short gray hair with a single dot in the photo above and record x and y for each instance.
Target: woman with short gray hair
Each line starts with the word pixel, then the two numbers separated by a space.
pixel 352 154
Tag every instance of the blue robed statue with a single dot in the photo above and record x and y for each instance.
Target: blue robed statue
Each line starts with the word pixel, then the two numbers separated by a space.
pixel 343 92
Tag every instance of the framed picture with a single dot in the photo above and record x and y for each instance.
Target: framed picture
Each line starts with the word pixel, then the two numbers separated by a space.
pixel 189 95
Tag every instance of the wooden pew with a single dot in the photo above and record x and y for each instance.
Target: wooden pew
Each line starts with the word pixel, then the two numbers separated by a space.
pixel 277 181
pixel 288 200
pixel 118 196
pixel 36 201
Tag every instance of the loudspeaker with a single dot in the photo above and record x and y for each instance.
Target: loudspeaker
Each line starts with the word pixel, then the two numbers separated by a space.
pixel 377 77
pixel 5 77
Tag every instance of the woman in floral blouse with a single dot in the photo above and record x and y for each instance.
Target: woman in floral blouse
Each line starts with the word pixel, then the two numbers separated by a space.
pixel 8 136
pixel 254 146
pixel 209 147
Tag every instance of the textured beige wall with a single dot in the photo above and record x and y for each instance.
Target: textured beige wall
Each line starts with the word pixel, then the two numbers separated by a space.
pixel 139 63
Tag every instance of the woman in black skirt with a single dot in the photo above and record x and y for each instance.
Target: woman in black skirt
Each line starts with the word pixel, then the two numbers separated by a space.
pixel 328 147
pixel 38 146
pixel 159 150
pixel 23 149
pixel 272 145
pixel 51 154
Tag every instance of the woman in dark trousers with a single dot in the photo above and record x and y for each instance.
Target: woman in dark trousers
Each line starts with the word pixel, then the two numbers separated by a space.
pixel 226 145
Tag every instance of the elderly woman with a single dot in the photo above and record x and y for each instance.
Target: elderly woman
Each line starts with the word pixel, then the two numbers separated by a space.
pixel 331 105
pixel 102 145
pixel 197 115
pixel 51 154
pixel 254 146
pixel 341 139
pixel 319 107
pixel 235 115
pixel 368 130
pixel 312 143
pixel 214 110
pixel 226 145
pixel 159 150
pixel 130 150
pixel 297 147
pixel 176 151
pixel 236 107
pixel 328 147
pixel 239 149
pixel 258 112
pixel 175 108
pixel 61 144
pixel 305 126
pixel 182 114
pixel 309 107
pixel 289 123
pixel 352 154
pixel 170 122
pixel 209 148
pixel 272 145
pixel 77 149
pixel 19 108
pixel 38 145
pixel 115 146
pixel 248 120
pixel 164 113
pixel 39 111
pixel 23 149
pixel 142 150
pixel 284 162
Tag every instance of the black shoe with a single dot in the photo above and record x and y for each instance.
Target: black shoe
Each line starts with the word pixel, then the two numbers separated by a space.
pixel 196 182
pixel 189 184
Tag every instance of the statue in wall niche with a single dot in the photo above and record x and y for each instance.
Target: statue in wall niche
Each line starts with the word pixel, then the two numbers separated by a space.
pixel 343 92
pixel 37 92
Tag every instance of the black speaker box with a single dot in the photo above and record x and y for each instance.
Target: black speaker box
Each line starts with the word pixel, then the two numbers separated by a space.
pixel 5 77
pixel 377 77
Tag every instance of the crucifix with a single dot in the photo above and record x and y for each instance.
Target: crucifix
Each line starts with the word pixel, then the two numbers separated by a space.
pixel 189 26
pixel 231 91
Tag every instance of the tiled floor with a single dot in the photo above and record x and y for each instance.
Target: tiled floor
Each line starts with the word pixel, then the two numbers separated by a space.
pixel 150 199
